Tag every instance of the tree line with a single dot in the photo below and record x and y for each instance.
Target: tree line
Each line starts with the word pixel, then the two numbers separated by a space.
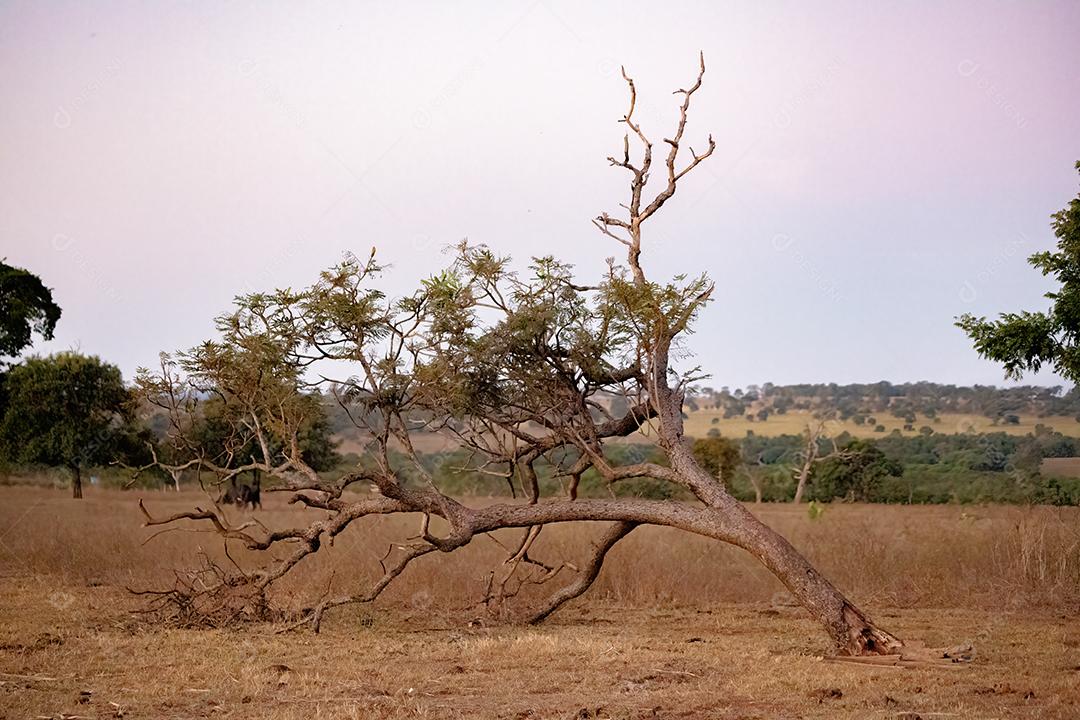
pixel 860 402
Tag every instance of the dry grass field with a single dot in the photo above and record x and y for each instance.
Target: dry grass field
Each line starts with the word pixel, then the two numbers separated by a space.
pixel 1061 467
pixel 699 423
pixel 675 627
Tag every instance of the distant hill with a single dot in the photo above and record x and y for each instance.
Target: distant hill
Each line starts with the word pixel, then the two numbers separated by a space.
pixel 863 410
pixel 699 422
pixel 868 409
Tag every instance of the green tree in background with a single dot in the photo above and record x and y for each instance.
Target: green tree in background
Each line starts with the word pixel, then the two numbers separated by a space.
pixel 66 410
pixel 719 456
pixel 855 475
pixel 1026 341
pixel 26 308
pixel 217 432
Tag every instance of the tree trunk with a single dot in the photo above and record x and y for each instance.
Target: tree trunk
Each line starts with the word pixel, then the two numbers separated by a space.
pixel 808 463
pixel 851 631
pixel 801 486
pixel 757 488
pixel 722 518
pixel 76 483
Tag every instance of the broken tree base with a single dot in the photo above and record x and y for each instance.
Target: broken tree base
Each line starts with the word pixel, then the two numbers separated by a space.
pixel 913 655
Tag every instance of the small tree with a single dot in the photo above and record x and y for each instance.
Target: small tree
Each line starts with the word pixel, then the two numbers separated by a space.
pixel 515 366
pixel 719 456
pixel 214 432
pixel 811 455
pixel 68 410
pixel 1026 341
pixel 26 309
pixel 854 474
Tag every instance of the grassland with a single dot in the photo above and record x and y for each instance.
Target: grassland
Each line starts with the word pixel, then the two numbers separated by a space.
pixel 699 423
pixel 676 626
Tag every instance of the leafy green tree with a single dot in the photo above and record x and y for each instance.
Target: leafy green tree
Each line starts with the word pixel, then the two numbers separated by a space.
pixel 66 410
pixel 318 446
pixel 854 475
pixel 719 456
pixel 218 431
pixel 1026 341
pixel 26 308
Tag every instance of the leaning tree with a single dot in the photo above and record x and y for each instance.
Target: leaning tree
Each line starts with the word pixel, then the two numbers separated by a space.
pixel 518 367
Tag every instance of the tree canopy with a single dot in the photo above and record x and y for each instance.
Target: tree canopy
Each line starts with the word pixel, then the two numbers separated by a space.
pixel 1025 341
pixel 854 474
pixel 68 410
pixel 26 309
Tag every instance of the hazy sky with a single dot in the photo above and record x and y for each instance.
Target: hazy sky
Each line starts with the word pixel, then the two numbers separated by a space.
pixel 880 169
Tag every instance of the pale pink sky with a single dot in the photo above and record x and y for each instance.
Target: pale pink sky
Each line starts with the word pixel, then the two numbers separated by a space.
pixel 881 167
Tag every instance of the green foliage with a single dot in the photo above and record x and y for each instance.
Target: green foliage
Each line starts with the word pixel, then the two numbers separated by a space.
pixel 776 482
pixel 216 431
pixel 937 468
pixel 855 475
pixel 1026 341
pixel 26 308
pixel 68 410
pixel 719 456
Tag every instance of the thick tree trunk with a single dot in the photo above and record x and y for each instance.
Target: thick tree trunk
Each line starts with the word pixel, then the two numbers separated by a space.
pixel 76 483
pixel 724 519
pixel 851 631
